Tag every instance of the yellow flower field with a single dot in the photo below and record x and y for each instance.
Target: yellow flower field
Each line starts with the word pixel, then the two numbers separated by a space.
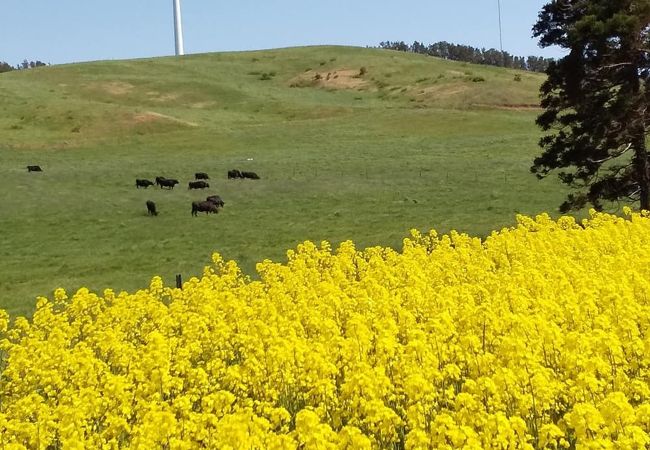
pixel 537 337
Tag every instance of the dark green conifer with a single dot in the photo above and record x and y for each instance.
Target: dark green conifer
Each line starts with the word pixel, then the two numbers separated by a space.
pixel 596 100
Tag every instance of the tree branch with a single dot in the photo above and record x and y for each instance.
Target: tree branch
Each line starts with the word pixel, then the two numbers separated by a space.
pixel 609 158
pixel 633 194
pixel 612 66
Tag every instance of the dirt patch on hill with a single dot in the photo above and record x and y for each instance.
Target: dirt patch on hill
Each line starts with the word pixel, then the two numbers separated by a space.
pixel 117 87
pixel 203 105
pixel 151 116
pixel 333 79
pixel 158 97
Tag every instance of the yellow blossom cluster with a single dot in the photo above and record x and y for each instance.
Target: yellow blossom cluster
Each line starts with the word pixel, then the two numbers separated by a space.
pixel 536 337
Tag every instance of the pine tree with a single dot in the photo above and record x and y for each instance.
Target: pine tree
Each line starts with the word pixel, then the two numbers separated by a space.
pixel 596 100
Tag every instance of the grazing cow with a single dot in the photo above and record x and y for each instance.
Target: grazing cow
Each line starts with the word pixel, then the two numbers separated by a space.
pixel 34 169
pixel 143 183
pixel 234 173
pixel 201 176
pixel 160 179
pixel 151 208
pixel 250 175
pixel 167 182
pixel 216 200
pixel 198 185
pixel 206 207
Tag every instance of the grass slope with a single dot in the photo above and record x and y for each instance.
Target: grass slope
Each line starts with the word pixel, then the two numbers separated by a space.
pixel 414 141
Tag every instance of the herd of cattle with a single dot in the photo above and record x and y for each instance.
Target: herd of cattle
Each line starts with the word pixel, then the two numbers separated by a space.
pixel 210 205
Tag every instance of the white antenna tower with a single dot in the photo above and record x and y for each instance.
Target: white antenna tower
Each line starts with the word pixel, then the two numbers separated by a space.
pixel 500 34
pixel 178 28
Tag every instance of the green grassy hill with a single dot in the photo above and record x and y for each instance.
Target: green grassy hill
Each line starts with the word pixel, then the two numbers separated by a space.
pixel 350 143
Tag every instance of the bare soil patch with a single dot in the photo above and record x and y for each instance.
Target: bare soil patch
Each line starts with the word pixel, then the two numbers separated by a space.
pixel 158 97
pixel 333 79
pixel 117 87
pixel 201 105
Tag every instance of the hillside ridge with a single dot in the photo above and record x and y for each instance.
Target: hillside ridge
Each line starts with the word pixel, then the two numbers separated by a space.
pixel 74 103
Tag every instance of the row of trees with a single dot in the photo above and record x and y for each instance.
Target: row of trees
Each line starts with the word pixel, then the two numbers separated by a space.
pixel 6 67
pixel 467 53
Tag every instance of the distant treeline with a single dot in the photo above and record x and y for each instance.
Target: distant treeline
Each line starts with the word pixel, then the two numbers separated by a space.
pixel 6 67
pixel 467 53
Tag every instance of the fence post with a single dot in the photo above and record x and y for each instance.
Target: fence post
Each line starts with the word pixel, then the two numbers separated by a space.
pixel 179 281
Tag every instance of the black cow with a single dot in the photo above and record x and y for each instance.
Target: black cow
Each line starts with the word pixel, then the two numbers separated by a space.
pixel 198 185
pixel 34 169
pixel 151 208
pixel 250 175
pixel 160 179
pixel 234 173
pixel 216 200
pixel 167 182
pixel 201 176
pixel 143 183
pixel 206 207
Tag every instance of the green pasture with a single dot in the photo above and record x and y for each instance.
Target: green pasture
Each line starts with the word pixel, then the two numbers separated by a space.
pixel 408 142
